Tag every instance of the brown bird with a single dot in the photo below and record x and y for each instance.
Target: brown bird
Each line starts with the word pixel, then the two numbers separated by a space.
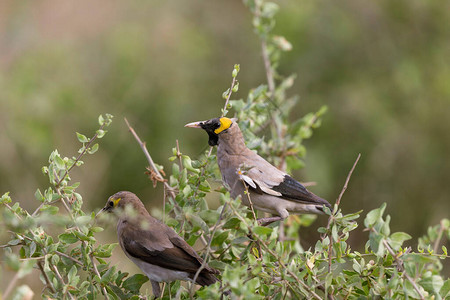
pixel 153 246
pixel 270 189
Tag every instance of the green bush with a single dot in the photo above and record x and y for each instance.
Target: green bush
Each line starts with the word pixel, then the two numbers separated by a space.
pixel 255 262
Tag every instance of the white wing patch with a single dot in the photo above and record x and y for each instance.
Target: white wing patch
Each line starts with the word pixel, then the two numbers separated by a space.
pixel 265 188
pixel 269 191
pixel 247 180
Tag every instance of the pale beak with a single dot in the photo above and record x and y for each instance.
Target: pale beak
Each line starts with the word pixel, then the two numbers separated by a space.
pixel 194 124
pixel 99 212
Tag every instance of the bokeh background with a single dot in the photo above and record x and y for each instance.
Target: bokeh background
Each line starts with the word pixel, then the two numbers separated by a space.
pixel 382 68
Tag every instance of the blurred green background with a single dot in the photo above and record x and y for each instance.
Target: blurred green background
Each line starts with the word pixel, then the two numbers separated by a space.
pixel 382 68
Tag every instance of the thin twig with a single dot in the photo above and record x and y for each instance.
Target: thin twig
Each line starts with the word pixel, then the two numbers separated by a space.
pixel 400 267
pixel 47 280
pixel 55 270
pixel 228 96
pixel 439 237
pixel 208 249
pixel 144 149
pixel 11 285
pixel 338 201
pixel 268 66
pixel 143 146
pixel 249 200
pixel 69 257
pixel 179 155
pixel 98 274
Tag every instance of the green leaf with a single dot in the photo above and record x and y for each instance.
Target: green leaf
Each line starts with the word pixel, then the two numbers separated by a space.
pixel 220 238
pixel 72 273
pixel 68 238
pixel 397 239
pixel 59 162
pixel 5 198
pixel 38 195
pixel 93 149
pixel 15 242
pixel 262 230
pixel 134 283
pixel 374 216
pixel 445 290
pixel 32 248
pixel 100 133
pixel 432 284
pixel 50 209
pixel 101 120
pixel 109 276
pixel 82 138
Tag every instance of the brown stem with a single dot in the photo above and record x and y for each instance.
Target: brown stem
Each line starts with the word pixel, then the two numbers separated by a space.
pixel 11 285
pixel 229 96
pixel 169 189
pixel 439 237
pixel 268 66
pixel 47 280
pixel 338 201
pixel 400 267
pixel 105 293
pixel 55 270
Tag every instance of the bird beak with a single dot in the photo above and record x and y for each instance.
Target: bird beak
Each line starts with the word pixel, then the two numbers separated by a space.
pixel 194 124
pixel 100 211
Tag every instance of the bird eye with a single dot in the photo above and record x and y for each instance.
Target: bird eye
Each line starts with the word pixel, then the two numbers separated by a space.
pixel 111 203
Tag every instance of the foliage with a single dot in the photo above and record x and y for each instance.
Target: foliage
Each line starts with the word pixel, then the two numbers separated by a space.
pixel 256 262
pixel 62 244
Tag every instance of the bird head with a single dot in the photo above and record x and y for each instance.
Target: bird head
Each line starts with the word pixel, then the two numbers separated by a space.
pixel 122 200
pixel 213 127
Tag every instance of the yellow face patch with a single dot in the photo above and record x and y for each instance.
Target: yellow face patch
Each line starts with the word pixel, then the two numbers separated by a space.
pixel 225 123
pixel 116 201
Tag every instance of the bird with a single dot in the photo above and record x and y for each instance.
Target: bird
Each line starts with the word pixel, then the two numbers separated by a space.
pixel 153 246
pixel 269 189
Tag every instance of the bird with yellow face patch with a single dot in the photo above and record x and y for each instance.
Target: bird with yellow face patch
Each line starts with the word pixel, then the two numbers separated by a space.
pixel 270 189
pixel 153 246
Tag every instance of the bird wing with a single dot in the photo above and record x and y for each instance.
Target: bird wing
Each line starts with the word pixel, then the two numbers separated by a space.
pixel 155 247
pixel 263 178
pixel 179 242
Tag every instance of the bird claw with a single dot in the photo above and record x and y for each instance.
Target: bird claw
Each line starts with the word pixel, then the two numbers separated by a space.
pixel 269 220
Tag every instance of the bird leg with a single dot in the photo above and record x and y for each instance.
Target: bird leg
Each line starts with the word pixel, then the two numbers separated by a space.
pixel 269 220
pixel 156 289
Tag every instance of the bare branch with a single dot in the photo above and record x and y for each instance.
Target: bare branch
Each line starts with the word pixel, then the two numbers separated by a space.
pixel 338 201
pixel 47 280
pixel 55 270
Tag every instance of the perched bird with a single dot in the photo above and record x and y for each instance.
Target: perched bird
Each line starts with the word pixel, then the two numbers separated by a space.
pixel 270 189
pixel 153 246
